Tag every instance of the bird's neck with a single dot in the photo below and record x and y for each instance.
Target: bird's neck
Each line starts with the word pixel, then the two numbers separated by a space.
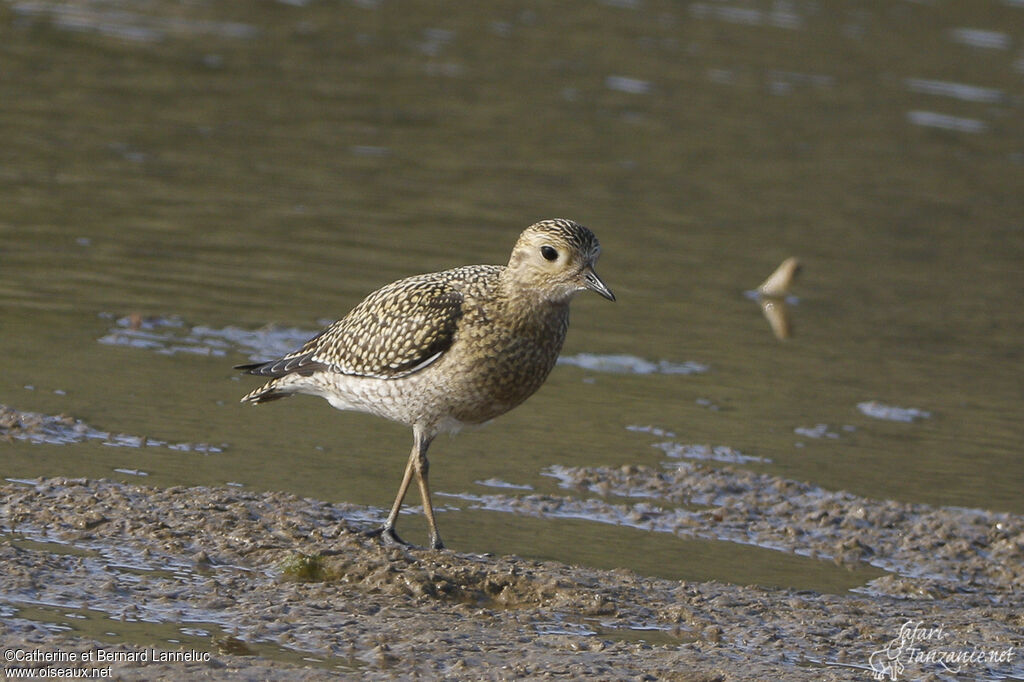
pixel 538 297
pixel 530 306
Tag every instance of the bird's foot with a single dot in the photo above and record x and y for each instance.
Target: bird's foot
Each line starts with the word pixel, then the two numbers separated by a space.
pixel 387 536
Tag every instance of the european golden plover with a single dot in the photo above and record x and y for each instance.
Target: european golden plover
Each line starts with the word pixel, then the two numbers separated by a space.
pixel 447 349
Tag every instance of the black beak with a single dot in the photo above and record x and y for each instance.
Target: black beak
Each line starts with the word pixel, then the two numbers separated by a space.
pixel 593 282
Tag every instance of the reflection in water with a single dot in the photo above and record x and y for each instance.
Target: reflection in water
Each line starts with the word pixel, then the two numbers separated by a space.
pixel 776 311
pixel 773 299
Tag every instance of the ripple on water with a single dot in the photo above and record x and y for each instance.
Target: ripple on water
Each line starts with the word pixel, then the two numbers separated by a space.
pixel 633 86
pixel 132 472
pixel 932 119
pixel 498 483
pixel 64 430
pixel 784 82
pixel 961 91
pixel 630 364
pixel 700 452
pixel 125 22
pixel 977 37
pixel 780 17
pixel 877 410
pixel 712 453
pixel 816 431
pixel 170 335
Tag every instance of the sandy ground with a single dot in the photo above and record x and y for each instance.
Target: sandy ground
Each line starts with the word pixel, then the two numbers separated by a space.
pixel 289 588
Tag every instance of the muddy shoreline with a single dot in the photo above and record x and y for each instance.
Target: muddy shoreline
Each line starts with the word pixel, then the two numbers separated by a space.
pixel 150 583
pixel 286 587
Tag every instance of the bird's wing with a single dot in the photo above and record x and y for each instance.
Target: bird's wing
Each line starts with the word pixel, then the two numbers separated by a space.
pixel 396 331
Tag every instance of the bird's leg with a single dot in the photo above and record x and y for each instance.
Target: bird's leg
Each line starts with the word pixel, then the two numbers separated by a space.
pixel 422 466
pixel 418 463
pixel 387 531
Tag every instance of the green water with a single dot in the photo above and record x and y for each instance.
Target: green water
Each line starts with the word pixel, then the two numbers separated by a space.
pixel 253 163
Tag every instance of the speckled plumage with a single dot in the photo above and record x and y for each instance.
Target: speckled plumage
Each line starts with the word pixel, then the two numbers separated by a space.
pixel 446 349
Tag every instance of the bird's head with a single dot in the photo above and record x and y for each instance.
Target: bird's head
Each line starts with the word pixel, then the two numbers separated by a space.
pixel 556 258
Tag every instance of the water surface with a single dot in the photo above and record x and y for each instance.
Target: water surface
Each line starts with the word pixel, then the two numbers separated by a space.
pixel 216 168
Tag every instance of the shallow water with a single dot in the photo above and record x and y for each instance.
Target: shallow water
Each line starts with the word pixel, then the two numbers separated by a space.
pixel 212 171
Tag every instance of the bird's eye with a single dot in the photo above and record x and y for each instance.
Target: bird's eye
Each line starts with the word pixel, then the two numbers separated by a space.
pixel 548 252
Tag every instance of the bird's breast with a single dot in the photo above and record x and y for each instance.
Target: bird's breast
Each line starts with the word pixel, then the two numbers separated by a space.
pixel 500 358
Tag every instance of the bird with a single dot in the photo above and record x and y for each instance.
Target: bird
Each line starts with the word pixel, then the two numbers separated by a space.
pixel 444 350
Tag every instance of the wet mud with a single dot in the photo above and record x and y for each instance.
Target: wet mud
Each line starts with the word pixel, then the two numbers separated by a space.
pixel 268 585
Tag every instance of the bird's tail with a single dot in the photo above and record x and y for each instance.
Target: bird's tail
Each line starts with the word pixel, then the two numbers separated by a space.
pixel 268 391
pixel 265 393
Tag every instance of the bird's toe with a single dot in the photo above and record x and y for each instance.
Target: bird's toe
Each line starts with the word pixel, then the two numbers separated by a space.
pixel 387 536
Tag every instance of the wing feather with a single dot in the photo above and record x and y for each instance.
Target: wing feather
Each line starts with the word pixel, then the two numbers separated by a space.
pixel 396 331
